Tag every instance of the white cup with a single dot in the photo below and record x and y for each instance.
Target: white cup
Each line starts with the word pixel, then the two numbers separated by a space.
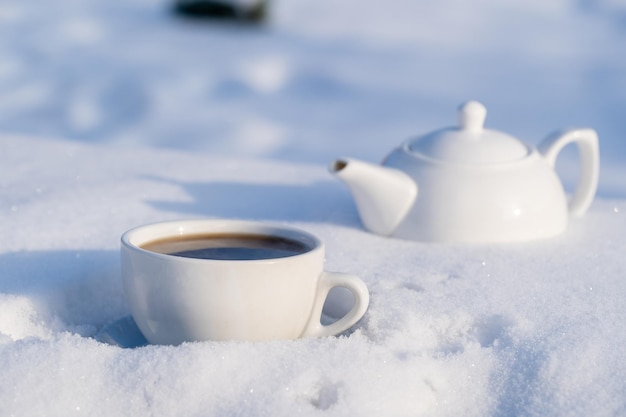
pixel 174 299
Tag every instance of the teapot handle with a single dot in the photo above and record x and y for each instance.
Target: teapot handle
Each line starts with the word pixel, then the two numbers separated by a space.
pixel 588 148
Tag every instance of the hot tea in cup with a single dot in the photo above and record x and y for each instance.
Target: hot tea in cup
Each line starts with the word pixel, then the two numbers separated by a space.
pixel 228 246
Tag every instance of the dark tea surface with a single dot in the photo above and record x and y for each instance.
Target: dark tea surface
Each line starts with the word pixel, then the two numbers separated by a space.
pixel 227 246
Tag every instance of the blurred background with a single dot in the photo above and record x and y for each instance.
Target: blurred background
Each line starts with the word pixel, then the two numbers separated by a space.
pixel 309 80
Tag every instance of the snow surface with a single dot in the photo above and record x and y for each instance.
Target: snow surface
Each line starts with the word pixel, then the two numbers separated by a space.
pixel 115 114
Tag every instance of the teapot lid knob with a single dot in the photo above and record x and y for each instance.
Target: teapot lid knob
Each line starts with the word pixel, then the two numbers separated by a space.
pixel 472 116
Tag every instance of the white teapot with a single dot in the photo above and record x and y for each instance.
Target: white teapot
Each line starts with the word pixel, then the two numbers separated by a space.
pixel 471 184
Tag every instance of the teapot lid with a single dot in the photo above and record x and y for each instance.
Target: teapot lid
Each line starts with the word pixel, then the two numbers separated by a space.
pixel 470 142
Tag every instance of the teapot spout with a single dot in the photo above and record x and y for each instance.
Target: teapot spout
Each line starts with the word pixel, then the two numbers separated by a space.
pixel 383 196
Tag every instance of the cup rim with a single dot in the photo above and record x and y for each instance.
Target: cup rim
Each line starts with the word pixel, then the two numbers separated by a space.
pixel 138 235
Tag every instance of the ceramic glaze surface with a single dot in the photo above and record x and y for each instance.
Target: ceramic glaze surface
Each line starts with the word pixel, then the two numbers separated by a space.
pixel 464 203
pixel 174 299
pixel 469 142
pixel 471 184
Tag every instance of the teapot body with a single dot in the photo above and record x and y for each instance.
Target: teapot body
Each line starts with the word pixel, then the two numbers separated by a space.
pixel 472 184
pixel 497 202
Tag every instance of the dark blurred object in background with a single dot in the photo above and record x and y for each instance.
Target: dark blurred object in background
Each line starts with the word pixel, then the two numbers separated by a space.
pixel 251 11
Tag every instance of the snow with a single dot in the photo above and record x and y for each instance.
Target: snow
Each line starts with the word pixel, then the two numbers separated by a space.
pixel 115 114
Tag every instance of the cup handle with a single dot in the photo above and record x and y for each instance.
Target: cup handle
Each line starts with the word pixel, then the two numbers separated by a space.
pixel 588 148
pixel 327 282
